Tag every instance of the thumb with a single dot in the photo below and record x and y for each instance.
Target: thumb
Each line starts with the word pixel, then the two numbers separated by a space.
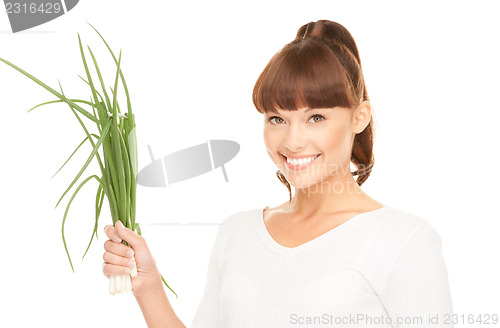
pixel 132 238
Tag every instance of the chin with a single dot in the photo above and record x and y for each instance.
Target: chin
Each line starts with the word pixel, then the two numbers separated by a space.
pixel 302 183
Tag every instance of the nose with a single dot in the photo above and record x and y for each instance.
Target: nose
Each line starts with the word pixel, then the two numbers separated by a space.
pixel 295 138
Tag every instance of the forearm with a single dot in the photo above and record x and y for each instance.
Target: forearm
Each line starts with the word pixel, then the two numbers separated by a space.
pixel 156 308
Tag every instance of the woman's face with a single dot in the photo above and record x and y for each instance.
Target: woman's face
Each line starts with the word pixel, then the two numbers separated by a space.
pixel 323 136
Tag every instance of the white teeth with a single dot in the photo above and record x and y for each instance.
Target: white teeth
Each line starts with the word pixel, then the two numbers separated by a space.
pixel 301 161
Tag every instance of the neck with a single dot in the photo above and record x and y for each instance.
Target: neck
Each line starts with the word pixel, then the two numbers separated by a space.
pixel 338 193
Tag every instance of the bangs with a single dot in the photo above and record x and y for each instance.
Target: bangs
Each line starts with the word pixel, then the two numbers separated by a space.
pixel 305 73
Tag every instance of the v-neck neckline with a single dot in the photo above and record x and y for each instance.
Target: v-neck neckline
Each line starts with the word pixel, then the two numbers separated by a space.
pixel 276 247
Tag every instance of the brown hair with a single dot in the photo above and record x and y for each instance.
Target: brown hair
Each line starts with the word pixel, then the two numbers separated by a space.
pixel 321 68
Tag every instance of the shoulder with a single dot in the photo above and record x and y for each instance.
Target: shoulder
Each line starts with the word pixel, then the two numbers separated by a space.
pixel 390 227
pixel 239 221
pixel 398 218
pixel 389 234
pixel 415 224
pixel 416 230
pixel 394 228
pixel 233 231
pixel 237 218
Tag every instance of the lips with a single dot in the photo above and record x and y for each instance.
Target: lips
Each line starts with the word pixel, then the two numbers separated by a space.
pixel 299 167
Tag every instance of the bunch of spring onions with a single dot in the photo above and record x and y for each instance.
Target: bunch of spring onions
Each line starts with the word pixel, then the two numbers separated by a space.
pixel 119 162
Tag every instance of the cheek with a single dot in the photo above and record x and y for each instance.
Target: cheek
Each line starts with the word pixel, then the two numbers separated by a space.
pixel 271 140
pixel 336 143
pixel 270 144
pixel 341 139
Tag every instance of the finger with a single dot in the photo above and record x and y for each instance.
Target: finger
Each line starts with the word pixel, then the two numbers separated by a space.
pixel 110 231
pixel 117 270
pixel 118 249
pixel 118 260
pixel 129 236
pixel 106 274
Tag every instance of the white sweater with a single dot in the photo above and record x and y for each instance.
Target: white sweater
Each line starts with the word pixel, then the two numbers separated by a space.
pixel 382 268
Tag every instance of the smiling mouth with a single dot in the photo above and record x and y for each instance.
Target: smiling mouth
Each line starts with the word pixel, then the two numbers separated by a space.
pixel 301 163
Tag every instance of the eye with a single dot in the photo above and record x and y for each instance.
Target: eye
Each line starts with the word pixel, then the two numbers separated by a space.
pixel 317 115
pixel 273 117
pixel 320 118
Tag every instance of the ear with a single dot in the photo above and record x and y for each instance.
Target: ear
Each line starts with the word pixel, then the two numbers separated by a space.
pixel 361 117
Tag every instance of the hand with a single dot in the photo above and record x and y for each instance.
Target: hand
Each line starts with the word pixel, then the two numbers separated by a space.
pixel 118 256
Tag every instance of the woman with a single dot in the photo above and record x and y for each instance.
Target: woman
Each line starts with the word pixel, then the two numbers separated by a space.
pixel 331 255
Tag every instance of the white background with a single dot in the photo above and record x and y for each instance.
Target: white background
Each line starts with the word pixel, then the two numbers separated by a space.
pixel 431 70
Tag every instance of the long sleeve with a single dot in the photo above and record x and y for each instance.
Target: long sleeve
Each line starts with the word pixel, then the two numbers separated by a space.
pixel 207 314
pixel 417 288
